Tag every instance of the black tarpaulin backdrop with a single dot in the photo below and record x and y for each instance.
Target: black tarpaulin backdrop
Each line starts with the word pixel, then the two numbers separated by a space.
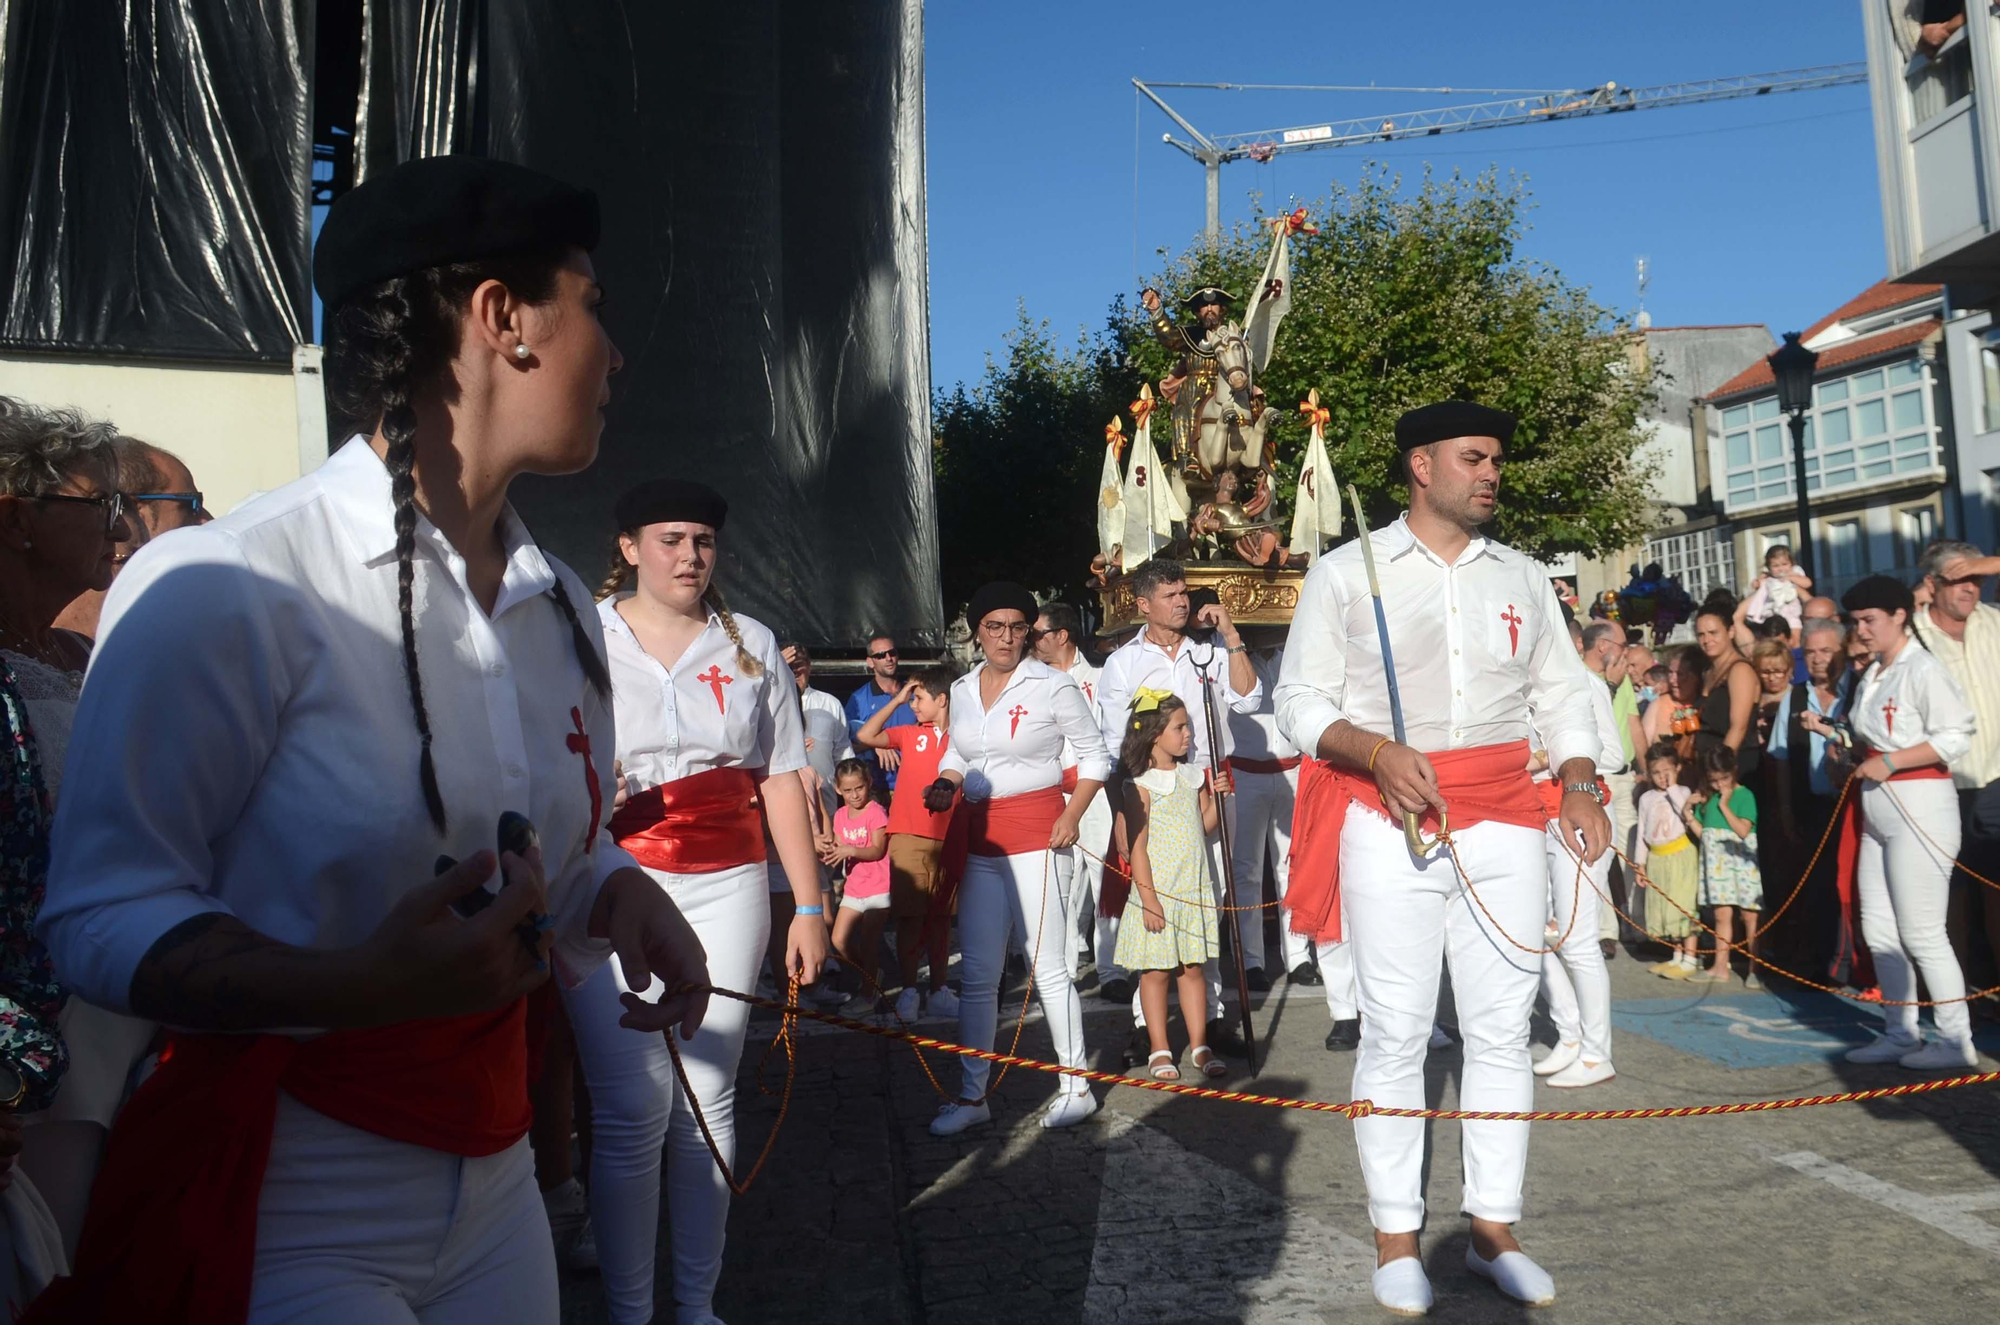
pixel 154 171
pixel 761 167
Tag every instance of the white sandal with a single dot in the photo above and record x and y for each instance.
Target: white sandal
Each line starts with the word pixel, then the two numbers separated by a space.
pixel 1162 1071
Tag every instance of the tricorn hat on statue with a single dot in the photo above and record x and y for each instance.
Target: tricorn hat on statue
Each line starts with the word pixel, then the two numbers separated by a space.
pixel 1208 294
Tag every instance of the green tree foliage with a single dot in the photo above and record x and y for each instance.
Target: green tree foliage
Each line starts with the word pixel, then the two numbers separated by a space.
pixel 1404 297
pixel 1018 458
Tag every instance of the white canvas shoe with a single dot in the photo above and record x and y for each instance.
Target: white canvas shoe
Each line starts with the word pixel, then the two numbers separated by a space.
pixel 1883 1049
pixel 1402 1287
pixel 955 1118
pixel 1515 1275
pixel 1581 1073
pixel 1942 1054
pixel 1068 1110
pixel 909 1004
pixel 943 1003
pixel 1558 1058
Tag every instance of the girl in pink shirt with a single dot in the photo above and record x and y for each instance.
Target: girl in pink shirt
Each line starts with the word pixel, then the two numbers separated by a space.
pixel 860 839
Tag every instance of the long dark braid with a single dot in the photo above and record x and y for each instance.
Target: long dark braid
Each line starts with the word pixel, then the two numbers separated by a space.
pixel 399 429
pixel 389 342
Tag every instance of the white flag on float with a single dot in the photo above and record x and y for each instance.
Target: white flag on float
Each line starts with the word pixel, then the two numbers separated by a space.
pixel 1111 495
pixel 1150 507
pixel 1272 298
pixel 1316 517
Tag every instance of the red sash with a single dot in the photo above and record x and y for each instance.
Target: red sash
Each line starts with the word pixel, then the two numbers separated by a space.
pixel 1486 782
pixel 694 825
pixel 1245 764
pixel 172 1230
pixel 1012 825
pixel 1069 779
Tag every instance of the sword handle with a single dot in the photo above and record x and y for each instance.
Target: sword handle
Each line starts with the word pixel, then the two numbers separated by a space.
pixel 1421 846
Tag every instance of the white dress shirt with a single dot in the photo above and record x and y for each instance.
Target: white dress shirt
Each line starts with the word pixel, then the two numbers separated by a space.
pixel 1481 651
pixel 705 712
pixel 1017 745
pixel 826 724
pixel 1085 676
pixel 1140 662
pixel 1911 701
pixel 245 742
pixel 1611 760
pixel 1255 734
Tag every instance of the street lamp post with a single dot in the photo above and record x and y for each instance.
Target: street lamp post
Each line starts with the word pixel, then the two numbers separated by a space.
pixel 1793 366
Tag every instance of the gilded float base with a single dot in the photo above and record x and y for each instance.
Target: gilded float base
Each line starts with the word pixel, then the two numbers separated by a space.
pixel 1252 596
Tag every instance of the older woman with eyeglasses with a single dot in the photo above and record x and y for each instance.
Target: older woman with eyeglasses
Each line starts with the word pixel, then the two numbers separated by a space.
pixel 61 520
pixel 1010 717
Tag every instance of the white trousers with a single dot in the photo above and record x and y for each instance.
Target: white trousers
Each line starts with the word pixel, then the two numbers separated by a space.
pixel 1211 969
pixel 1624 815
pixel 1574 977
pixel 1903 882
pixel 636 1103
pixel 1086 879
pixel 356 1229
pixel 1026 895
pixel 1403 915
pixel 1264 804
pixel 1336 967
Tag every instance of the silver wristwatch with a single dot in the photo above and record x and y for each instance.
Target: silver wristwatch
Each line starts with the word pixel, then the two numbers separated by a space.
pixel 1590 789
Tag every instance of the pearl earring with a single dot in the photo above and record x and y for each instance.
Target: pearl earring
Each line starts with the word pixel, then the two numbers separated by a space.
pixel 520 351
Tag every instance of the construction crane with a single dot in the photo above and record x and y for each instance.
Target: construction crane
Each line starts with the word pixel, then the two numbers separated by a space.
pixel 1530 108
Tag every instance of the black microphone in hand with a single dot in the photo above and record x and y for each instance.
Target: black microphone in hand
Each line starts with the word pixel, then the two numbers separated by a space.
pixel 938 795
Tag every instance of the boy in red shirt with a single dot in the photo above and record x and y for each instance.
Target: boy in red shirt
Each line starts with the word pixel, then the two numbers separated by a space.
pixel 921 900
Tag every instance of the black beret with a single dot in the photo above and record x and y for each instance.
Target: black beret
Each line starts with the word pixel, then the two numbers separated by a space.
pixel 998 597
pixel 1208 294
pixel 1452 418
pixel 671 501
pixel 1880 592
pixel 441 209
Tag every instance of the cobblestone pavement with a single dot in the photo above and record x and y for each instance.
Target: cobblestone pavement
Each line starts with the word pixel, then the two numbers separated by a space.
pixel 1167 1209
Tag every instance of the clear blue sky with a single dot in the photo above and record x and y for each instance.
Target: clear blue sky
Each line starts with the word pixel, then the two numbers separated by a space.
pixel 1756 210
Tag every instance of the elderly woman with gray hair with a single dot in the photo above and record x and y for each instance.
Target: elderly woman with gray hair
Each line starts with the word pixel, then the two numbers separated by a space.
pixel 61 518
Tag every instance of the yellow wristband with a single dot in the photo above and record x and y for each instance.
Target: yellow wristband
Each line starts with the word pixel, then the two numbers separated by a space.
pixel 1376 751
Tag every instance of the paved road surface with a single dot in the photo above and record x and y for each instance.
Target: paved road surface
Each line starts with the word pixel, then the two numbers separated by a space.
pixel 1165 1209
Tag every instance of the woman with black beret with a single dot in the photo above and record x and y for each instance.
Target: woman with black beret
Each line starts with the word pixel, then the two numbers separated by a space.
pixel 711 742
pixel 301 713
pixel 1010 716
pixel 1911 721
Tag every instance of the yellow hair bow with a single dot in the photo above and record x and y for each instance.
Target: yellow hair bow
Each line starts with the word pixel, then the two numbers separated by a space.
pixel 1147 699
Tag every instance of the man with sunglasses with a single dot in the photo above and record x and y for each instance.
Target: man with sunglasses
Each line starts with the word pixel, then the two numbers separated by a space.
pixel 1963 633
pixel 877 693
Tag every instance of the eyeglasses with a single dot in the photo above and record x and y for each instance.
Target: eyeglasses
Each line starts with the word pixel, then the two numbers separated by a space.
pixel 112 502
pixel 192 500
pixel 1014 628
pixel 886 653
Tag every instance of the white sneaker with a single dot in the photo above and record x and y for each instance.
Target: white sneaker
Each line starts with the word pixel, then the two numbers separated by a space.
pixel 1558 1058
pixel 566 1201
pixel 583 1251
pixel 1581 1073
pixel 956 1117
pixel 1440 1037
pixel 1942 1054
pixel 943 1002
pixel 1403 1287
pixel 1883 1049
pixel 1067 1110
pixel 908 1004
pixel 1515 1275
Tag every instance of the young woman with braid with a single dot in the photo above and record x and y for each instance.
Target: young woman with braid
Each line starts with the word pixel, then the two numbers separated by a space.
pixel 339 685
pixel 711 740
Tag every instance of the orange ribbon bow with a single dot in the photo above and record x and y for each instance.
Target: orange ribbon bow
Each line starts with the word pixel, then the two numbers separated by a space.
pixel 1114 435
pixel 1295 223
pixel 1142 409
pixel 1316 416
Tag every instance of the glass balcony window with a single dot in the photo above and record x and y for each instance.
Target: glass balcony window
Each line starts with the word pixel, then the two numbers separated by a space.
pixel 1836 424
pixel 1870 418
pixel 1767 408
pixel 1770 442
pixel 1908 408
pixel 1832 392
pixel 1736 416
pixel 1865 426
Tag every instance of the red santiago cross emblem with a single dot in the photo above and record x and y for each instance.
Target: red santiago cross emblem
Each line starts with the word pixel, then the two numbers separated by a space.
pixel 1513 620
pixel 1016 713
pixel 715 680
pixel 1889 716
pixel 580 744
